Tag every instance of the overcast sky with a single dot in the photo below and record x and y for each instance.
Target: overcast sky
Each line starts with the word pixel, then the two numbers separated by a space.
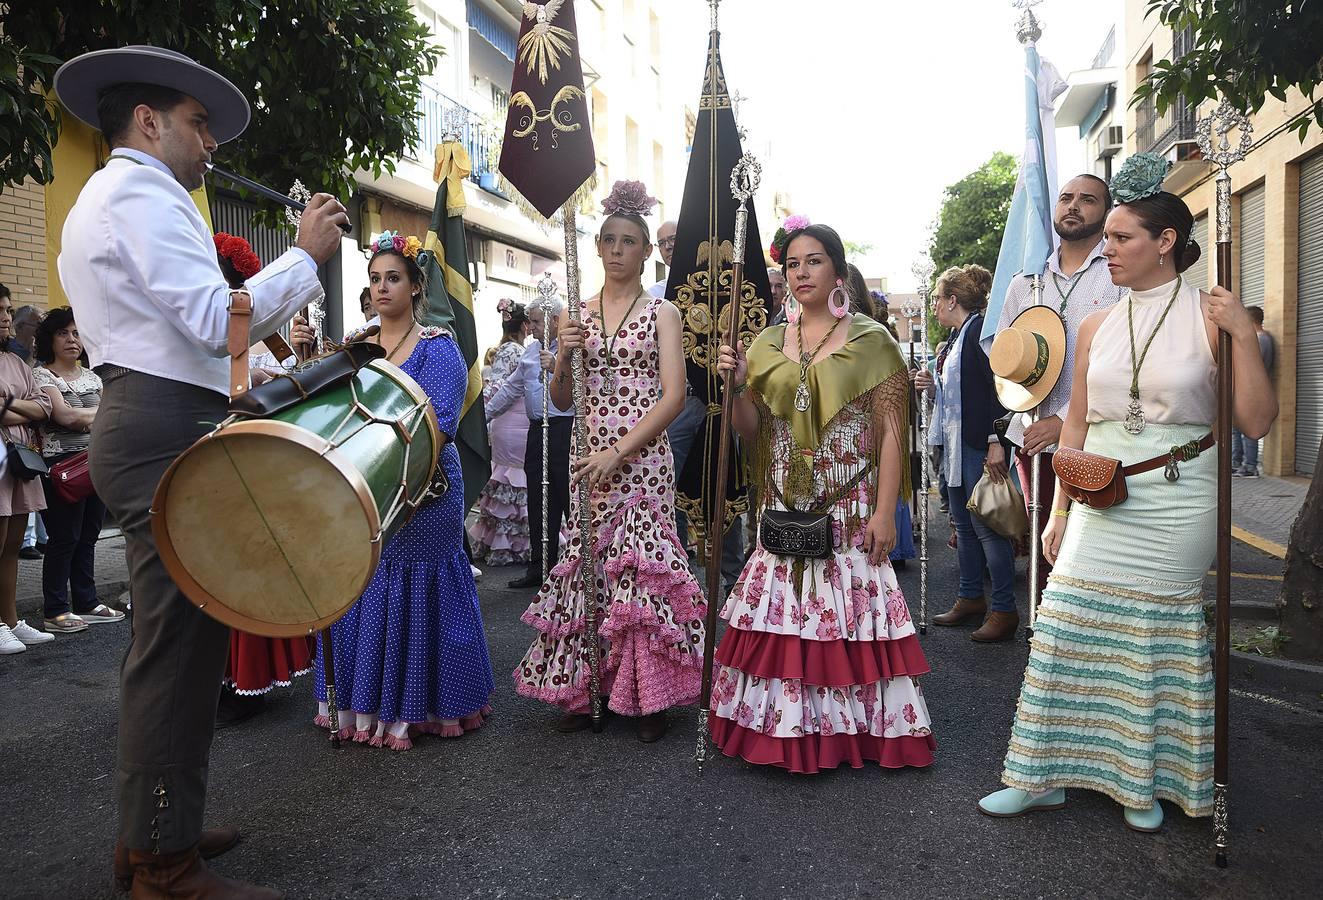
pixel 872 108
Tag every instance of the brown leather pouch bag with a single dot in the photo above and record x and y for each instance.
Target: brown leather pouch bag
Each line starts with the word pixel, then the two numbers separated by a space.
pixel 1096 481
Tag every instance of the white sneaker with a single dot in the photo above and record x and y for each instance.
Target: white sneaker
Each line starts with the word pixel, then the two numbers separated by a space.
pixel 8 643
pixel 477 573
pixel 29 635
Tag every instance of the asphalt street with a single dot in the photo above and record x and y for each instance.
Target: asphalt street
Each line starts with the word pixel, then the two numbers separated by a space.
pixel 518 810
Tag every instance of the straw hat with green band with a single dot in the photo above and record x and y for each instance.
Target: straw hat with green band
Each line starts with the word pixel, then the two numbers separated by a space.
pixel 1027 358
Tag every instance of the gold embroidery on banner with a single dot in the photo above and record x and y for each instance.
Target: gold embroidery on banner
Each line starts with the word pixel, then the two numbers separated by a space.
pixel 562 121
pixel 725 254
pixel 1126 592
pixel 544 43
pixel 1124 696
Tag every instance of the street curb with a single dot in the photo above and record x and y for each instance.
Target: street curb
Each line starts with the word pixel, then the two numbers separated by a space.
pixel 1284 673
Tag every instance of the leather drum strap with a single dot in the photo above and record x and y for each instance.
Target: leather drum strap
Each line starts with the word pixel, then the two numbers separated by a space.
pixel 241 323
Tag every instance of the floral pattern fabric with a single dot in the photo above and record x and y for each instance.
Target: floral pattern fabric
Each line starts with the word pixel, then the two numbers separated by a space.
pixel 820 664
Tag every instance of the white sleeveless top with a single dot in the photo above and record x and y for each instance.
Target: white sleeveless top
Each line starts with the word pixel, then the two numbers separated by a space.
pixel 1178 382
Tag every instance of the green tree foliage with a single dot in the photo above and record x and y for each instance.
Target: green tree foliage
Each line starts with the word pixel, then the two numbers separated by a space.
pixel 1244 50
pixel 971 222
pixel 333 83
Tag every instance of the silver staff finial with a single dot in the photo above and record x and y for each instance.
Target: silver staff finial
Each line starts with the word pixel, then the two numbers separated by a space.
pixel 1028 29
pixel 1223 120
pixel 712 6
pixel 299 191
pixel 923 269
pixel 546 289
pixel 453 120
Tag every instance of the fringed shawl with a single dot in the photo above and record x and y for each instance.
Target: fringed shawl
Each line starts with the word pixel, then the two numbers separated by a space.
pixel 855 391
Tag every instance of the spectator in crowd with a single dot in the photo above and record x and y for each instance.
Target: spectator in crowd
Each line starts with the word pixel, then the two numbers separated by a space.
pixel 963 416
pixel 26 406
pixel 776 313
pixel 68 575
pixel 365 304
pixel 1244 451
pixel 26 319
pixel 666 249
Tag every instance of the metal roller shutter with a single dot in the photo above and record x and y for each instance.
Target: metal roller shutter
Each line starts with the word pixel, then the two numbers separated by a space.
pixel 1197 274
pixel 1309 319
pixel 1250 285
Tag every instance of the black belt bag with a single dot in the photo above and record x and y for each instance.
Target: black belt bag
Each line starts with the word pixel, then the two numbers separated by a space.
pixel 23 462
pixel 788 532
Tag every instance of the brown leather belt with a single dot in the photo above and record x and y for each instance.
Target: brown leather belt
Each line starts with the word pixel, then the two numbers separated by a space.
pixel 1183 453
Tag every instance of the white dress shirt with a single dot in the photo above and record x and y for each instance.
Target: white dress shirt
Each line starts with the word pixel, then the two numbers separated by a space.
pixel 526 383
pixel 1093 291
pixel 139 267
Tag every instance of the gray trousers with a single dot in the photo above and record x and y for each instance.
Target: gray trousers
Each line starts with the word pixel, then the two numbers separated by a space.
pixel 171 674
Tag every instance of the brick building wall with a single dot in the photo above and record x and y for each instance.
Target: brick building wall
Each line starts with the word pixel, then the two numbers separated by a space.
pixel 23 243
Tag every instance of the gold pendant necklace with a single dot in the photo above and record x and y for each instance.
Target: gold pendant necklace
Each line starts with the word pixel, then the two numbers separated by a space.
pixel 803 398
pixel 1135 422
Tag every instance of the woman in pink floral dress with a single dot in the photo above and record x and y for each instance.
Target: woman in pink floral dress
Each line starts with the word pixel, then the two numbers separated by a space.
pixel 650 612
pixel 819 665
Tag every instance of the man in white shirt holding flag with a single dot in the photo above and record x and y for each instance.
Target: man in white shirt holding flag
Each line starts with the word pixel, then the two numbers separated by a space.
pixel 139 267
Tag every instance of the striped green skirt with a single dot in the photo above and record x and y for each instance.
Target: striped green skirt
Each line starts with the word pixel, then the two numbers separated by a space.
pixel 1118 695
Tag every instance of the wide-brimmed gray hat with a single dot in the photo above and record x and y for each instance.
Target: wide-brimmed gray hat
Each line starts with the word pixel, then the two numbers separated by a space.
pixel 80 81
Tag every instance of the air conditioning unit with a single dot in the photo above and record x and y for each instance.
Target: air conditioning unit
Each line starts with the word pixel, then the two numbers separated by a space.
pixel 1111 141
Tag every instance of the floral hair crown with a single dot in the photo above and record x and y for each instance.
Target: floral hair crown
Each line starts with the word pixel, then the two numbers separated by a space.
pixel 788 227
pixel 506 307
pixel 393 240
pixel 1140 177
pixel 628 198
pixel 239 253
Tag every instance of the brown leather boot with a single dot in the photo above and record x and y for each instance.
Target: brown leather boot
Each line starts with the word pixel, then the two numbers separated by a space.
pixel 183 876
pixel 962 612
pixel 212 843
pixel 652 728
pixel 998 626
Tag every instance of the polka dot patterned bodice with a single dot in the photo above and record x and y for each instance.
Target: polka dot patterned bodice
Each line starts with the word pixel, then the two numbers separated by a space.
pixel 616 403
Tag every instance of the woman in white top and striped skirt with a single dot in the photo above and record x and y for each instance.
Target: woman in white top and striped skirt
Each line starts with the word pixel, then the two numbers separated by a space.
pixel 1118 694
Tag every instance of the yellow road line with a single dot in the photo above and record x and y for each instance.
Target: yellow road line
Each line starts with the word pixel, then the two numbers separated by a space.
pixel 1272 548
pixel 1212 573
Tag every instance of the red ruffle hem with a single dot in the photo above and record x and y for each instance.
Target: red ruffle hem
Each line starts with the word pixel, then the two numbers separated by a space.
pixel 811 754
pixel 839 663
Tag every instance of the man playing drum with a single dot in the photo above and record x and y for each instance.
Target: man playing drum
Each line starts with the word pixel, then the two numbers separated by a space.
pixel 140 270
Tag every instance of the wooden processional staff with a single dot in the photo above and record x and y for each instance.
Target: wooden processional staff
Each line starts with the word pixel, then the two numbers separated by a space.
pixel 1214 133
pixel 744 180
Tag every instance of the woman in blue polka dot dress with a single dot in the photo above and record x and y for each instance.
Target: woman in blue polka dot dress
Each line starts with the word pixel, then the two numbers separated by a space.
pixel 410 655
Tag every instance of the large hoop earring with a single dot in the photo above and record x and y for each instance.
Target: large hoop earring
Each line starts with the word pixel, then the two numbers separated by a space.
pixel 838 301
pixel 792 310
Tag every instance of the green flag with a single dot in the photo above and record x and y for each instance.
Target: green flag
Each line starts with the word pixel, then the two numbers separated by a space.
pixel 445 262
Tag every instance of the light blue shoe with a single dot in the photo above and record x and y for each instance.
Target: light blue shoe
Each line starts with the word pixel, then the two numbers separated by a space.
pixel 1145 820
pixel 1010 802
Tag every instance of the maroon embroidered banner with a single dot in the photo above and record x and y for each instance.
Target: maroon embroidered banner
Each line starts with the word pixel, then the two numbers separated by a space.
pixel 547 152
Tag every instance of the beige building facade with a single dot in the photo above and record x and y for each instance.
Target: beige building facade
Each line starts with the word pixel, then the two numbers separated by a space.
pixel 1277 232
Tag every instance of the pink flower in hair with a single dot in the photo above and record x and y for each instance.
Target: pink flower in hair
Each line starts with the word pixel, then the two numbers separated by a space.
pixel 628 198
pixel 796 222
pixel 399 242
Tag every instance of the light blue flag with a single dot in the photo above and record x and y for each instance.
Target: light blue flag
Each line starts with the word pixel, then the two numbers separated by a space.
pixel 1030 239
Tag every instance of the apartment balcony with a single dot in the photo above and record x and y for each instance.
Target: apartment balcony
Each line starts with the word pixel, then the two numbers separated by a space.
pixel 439 114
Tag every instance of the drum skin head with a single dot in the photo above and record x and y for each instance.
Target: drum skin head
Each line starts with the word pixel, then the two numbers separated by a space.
pixel 266 530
